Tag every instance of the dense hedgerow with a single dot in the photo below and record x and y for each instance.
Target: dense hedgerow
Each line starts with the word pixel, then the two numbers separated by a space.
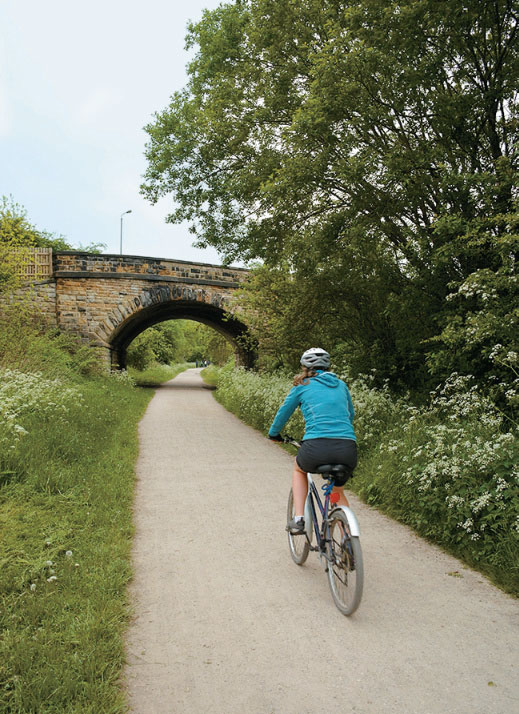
pixel 449 469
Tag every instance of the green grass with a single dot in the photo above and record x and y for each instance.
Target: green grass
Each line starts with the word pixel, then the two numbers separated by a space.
pixel 68 446
pixel 210 375
pixel 68 487
pixel 157 374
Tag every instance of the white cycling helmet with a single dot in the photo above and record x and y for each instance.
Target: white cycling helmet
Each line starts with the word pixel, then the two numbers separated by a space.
pixel 316 358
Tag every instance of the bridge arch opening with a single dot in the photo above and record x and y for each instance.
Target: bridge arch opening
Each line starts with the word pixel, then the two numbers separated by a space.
pixel 215 316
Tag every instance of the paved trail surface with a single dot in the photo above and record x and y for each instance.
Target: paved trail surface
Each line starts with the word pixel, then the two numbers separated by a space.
pixel 226 623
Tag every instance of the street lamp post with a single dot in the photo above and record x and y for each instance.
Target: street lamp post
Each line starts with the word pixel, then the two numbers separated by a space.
pixel 121 239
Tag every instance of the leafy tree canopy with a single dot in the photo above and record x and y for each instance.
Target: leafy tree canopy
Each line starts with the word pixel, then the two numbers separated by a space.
pixel 16 229
pixel 373 140
pixel 312 118
pixel 175 341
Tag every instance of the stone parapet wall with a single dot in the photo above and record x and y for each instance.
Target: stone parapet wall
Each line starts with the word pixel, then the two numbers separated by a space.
pixel 44 297
pixel 95 307
pixel 107 300
pixel 79 264
pixel 39 298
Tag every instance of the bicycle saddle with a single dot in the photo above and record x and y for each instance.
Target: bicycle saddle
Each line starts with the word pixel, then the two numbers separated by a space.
pixel 333 469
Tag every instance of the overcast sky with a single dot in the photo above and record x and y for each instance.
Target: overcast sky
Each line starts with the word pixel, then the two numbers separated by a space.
pixel 78 82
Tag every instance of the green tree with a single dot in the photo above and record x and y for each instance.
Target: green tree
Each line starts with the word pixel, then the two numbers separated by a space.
pixel 16 229
pixel 17 235
pixel 373 140
pixel 218 348
pixel 175 341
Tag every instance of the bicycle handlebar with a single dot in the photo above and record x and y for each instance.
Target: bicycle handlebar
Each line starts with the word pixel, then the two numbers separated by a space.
pixel 290 440
pixel 286 439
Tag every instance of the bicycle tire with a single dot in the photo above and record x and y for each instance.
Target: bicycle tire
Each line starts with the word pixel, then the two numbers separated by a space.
pixel 298 544
pixel 346 567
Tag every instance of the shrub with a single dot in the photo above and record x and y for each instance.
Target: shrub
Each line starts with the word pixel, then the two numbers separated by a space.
pixel 25 346
pixel 450 471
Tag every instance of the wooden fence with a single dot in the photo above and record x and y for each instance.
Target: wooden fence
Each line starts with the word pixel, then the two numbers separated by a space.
pixel 35 263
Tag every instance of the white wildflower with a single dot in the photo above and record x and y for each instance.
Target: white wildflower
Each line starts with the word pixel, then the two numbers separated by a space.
pixel 453 501
pixel 479 503
pixel 495 351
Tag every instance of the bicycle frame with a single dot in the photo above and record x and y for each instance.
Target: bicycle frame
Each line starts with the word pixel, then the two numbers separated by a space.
pixel 311 521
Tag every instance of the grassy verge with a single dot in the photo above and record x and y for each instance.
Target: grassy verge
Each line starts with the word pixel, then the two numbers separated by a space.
pixel 157 374
pixel 68 446
pixel 449 470
pixel 210 375
pixel 66 522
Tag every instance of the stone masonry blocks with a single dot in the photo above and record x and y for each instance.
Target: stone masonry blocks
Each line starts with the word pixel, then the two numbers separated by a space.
pixel 97 296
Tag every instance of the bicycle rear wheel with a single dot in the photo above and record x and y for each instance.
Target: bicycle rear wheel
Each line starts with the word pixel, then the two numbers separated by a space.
pixel 298 544
pixel 345 569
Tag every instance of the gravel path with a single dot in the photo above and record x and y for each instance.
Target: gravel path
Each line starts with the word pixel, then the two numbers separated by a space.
pixel 226 623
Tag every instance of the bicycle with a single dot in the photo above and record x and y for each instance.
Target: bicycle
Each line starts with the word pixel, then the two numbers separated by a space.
pixel 337 536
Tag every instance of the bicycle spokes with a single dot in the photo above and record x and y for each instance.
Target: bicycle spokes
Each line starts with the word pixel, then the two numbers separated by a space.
pixel 345 573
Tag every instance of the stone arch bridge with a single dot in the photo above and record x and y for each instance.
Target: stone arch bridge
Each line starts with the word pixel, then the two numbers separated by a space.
pixel 108 300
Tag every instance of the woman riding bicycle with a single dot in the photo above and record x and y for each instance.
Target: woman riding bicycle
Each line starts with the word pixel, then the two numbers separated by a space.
pixel 329 438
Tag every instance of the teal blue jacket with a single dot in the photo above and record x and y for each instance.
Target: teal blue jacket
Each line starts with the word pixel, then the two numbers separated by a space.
pixel 326 405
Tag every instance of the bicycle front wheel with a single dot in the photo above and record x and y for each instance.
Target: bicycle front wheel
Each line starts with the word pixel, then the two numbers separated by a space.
pixel 298 544
pixel 345 569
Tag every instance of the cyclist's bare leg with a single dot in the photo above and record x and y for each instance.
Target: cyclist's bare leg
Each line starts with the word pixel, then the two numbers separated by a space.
pixel 343 501
pixel 299 489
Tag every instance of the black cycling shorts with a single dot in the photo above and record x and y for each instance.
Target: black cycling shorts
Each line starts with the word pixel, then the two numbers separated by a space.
pixel 316 452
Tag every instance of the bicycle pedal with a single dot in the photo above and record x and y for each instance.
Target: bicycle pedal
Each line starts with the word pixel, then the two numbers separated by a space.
pixel 293 532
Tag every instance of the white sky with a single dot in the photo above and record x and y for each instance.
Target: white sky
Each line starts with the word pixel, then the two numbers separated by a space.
pixel 78 81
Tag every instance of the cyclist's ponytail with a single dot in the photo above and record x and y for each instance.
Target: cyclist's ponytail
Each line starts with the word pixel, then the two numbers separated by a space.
pixel 305 376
